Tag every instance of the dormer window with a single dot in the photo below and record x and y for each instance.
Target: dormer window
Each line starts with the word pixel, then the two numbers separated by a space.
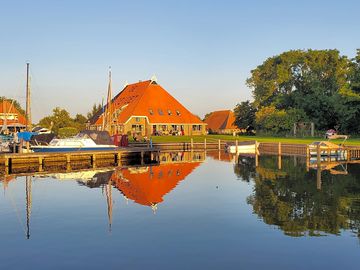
pixel 160 111
pixel 169 112
pixel 151 111
pixel 178 112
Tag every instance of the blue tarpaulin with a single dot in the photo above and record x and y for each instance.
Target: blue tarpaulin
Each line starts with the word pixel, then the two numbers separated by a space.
pixel 25 135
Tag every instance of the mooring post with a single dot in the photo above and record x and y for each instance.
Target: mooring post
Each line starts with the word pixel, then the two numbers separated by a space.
pixel 318 176
pixel 93 160
pixel 118 157
pixel 236 144
pixel 205 143
pixel 7 165
pixel 142 157
pixel 257 145
pixel 219 145
pixel 192 143
pixel 279 149
pixel 41 165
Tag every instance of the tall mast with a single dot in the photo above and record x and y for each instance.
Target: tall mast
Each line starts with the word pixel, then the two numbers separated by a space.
pixel 108 112
pixel 28 108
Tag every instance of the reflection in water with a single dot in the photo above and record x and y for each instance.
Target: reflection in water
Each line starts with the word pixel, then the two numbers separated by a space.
pixel 145 185
pixel 290 197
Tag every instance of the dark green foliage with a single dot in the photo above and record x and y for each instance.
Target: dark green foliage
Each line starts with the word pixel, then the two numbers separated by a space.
pixel 61 119
pixel 321 85
pixel 245 115
pixel 289 197
pixel 95 109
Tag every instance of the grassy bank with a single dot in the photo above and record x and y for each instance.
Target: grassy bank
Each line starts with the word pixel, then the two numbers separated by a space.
pixel 215 138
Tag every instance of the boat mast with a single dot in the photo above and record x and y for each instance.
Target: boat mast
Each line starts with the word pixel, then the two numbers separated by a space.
pixel 108 111
pixel 28 108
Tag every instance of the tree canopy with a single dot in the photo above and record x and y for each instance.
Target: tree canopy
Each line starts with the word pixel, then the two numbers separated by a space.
pixel 61 119
pixel 320 86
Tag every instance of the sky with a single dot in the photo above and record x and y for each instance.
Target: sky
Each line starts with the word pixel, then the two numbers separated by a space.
pixel 202 52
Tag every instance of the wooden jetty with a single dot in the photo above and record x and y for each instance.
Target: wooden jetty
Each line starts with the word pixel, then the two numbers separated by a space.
pixel 37 162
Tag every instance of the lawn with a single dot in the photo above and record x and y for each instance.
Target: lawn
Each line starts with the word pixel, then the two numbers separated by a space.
pixel 215 138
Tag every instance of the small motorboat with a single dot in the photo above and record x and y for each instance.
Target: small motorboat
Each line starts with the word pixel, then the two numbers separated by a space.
pixel 326 149
pixel 245 147
pixel 84 141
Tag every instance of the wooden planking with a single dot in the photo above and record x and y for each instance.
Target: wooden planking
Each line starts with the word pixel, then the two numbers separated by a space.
pixel 38 161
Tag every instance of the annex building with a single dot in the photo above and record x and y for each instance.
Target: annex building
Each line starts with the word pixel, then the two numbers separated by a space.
pixel 221 122
pixel 145 108
pixel 10 117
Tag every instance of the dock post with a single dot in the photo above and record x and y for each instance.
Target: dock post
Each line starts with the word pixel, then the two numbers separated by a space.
pixel 93 160
pixel 192 143
pixel 118 157
pixel 318 176
pixel 41 164
pixel 142 157
pixel 7 165
pixel 257 145
pixel 236 144
pixel 279 149
pixel 279 156
pixel 205 143
pixel 68 162
pixel 219 145
pixel 307 158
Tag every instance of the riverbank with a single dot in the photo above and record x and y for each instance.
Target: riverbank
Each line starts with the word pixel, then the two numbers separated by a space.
pixel 214 138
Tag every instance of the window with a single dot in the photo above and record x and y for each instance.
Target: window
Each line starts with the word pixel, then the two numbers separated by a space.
pixel 160 111
pixel 151 111
pixel 137 119
pixel 137 128
pixel 196 127
pixel 178 112
pixel 169 112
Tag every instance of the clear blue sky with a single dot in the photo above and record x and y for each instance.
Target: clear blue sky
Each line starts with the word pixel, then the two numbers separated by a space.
pixel 201 51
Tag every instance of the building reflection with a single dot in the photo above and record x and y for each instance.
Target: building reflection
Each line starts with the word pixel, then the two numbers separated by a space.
pixel 221 156
pixel 290 196
pixel 144 185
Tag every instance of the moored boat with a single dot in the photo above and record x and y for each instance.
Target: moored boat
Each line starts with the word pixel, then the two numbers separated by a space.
pixel 246 147
pixel 81 142
pixel 326 149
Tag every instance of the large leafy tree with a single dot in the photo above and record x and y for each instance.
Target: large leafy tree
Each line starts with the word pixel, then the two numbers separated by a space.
pixel 320 83
pixel 245 114
pixel 60 119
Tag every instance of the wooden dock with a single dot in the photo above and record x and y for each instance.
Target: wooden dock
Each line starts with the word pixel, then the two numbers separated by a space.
pixel 38 162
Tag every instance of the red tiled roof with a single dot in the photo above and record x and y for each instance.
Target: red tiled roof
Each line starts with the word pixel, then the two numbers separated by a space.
pixel 7 107
pixel 151 100
pixel 221 120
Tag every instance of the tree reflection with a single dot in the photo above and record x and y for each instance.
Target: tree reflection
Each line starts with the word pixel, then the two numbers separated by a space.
pixel 289 198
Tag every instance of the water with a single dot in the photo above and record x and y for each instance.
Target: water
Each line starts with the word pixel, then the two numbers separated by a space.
pixel 188 213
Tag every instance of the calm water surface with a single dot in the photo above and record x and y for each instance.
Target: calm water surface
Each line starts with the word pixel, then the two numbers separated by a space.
pixel 187 213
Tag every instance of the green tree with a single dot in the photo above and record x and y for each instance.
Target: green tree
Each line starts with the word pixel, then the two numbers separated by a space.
pixel 245 114
pixel 312 81
pixel 59 119
pixel 94 111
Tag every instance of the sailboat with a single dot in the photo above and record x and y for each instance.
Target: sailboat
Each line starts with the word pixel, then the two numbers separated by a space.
pixel 86 140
